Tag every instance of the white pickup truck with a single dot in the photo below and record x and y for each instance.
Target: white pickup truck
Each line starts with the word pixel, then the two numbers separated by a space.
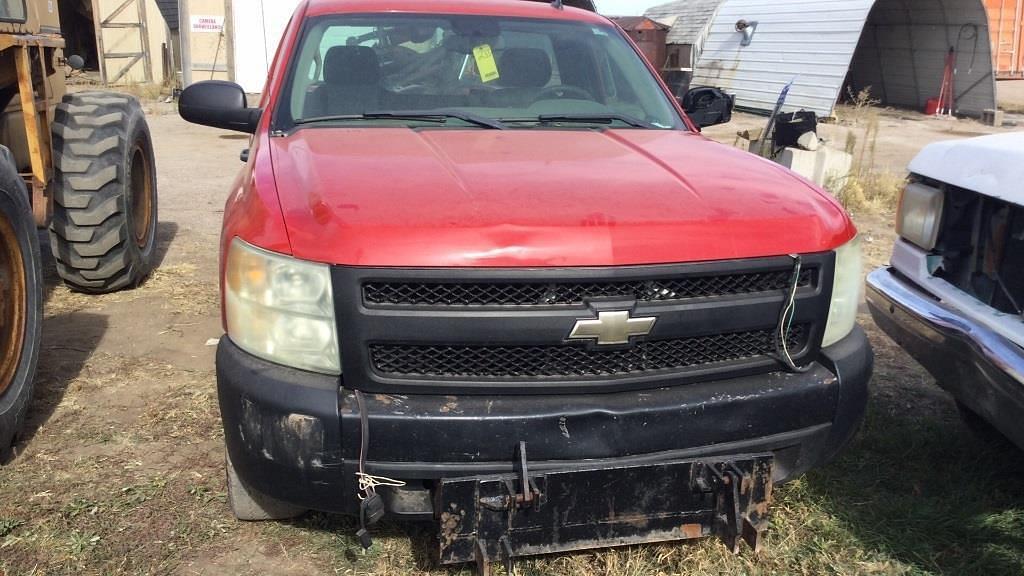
pixel 953 296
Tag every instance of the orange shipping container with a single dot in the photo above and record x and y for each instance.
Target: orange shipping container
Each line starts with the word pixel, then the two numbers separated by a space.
pixel 1006 24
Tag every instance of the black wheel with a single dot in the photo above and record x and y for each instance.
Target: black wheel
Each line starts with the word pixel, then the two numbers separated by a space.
pixel 21 302
pixel 103 232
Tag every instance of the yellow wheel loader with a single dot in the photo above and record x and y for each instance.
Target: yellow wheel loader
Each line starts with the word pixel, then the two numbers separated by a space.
pixel 79 164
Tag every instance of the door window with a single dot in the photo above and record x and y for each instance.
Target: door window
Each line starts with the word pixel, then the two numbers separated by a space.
pixel 12 10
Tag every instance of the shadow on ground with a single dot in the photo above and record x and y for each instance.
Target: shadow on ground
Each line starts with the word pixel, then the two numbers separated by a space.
pixel 923 490
pixel 69 339
pixel 68 342
pixel 166 232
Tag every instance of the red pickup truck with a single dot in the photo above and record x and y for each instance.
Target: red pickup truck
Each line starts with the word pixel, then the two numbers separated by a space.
pixel 480 267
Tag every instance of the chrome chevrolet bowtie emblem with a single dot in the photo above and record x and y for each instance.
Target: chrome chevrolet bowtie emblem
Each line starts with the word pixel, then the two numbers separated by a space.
pixel 612 328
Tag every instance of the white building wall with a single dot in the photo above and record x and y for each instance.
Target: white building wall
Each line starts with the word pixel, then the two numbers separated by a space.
pixel 257 28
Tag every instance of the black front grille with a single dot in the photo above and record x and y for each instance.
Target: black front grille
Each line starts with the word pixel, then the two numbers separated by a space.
pixel 576 293
pixel 576 361
pixel 504 330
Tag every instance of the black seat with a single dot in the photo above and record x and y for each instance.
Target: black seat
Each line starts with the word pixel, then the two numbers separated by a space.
pixel 524 72
pixel 352 83
pixel 577 65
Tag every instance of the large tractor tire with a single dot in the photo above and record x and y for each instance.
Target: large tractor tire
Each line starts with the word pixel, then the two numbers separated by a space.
pixel 21 302
pixel 103 232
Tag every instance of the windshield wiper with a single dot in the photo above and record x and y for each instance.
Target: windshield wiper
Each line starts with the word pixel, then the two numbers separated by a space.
pixel 435 116
pixel 598 118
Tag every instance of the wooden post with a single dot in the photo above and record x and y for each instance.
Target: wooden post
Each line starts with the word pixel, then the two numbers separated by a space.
pixel 97 22
pixel 147 60
pixel 229 37
pixel 185 35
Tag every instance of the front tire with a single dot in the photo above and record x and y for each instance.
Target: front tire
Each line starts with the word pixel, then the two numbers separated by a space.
pixel 103 232
pixel 21 302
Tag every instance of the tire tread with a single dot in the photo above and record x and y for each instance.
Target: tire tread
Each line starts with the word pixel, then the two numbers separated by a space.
pixel 91 230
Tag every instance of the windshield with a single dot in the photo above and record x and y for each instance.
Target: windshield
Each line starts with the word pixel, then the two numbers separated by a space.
pixel 12 10
pixel 470 71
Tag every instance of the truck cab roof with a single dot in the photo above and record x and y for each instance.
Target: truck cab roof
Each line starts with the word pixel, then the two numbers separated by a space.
pixel 572 9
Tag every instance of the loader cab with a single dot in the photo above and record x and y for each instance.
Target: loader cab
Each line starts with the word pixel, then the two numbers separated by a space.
pixel 29 17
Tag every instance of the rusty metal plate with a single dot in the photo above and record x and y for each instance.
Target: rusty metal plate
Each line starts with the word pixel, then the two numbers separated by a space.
pixel 488 520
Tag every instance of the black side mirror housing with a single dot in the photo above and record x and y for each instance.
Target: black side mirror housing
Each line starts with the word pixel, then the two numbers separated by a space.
pixel 707 106
pixel 219 104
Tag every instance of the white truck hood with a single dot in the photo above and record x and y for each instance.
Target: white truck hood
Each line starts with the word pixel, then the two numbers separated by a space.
pixel 989 165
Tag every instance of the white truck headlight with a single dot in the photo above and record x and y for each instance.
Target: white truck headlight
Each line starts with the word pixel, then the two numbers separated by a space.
pixel 846 291
pixel 281 309
pixel 920 215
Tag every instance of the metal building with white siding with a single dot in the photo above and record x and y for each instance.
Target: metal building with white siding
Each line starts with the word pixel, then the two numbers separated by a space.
pixel 896 48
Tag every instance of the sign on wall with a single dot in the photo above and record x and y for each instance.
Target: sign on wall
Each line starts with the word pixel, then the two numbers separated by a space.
pixel 213 24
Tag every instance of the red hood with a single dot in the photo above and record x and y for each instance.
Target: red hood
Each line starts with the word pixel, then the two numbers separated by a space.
pixel 478 198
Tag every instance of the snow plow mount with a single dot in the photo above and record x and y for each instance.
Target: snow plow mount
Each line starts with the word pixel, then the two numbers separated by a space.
pixel 496 519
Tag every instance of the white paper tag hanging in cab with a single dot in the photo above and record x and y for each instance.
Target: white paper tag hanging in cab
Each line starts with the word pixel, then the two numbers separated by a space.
pixel 485 63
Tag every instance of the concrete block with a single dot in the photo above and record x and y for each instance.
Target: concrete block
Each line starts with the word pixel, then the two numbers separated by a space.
pixel 993 117
pixel 824 166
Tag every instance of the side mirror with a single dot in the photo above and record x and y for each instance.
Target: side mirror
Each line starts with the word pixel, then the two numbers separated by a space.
pixel 219 104
pixel 707 106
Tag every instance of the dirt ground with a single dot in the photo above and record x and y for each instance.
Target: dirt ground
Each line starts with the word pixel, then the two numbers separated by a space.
pixel 120 470
pixel 1011 95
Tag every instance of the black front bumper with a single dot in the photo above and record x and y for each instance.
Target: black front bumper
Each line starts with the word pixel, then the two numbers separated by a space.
pixel 294 436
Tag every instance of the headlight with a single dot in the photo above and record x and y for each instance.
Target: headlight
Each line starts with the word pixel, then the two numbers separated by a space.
pixel 846 287
pixel 920 215
pixel 281 309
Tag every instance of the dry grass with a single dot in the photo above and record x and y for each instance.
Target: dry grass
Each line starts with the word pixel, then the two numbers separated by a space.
pixel 119 479
pixel 860 109
pixel 865 190
pixel 180 287
pixel 177 287
pixel 870 192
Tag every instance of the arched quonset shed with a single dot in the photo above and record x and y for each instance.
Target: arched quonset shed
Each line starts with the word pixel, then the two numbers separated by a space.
pixel 897 48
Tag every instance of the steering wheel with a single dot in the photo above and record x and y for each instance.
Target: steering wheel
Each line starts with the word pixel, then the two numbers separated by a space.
pixel 561 92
